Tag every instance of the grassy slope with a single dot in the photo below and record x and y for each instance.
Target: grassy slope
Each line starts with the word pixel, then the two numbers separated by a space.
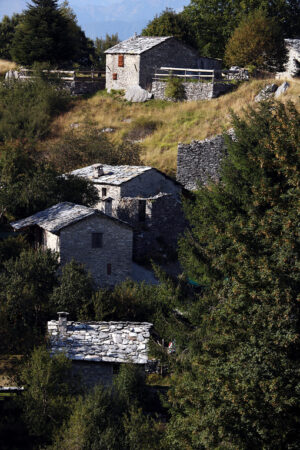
pixel 5 66
pixel 179 122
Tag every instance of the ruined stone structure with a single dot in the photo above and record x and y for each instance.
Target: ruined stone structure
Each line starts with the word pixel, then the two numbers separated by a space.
pixel 100 242
pixel 199 161
pixel 193 90
pixel 144 197
pixel 134 61
pixel 98 348
pixel 292 66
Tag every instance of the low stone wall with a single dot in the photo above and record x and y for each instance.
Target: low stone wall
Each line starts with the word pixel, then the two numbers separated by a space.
pixel 199 161
pixel 193 91
pixel 84 87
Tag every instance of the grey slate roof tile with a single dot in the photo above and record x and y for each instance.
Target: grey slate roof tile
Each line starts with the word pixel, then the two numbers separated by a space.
pixel 115 175
pixel 59 216
pixel 79 344
pixel 137 44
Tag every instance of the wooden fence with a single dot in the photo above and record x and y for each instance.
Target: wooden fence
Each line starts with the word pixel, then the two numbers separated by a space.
pixel 66 75
pixel 163 73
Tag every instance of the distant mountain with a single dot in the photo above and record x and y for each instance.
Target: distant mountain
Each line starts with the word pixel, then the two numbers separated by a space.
pixel 98 17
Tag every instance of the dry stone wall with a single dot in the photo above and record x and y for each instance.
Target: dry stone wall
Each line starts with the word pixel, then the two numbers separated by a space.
pixel 200 161
pixel 193 91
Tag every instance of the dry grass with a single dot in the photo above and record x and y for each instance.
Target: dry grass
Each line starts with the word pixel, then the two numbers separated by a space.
pixel 180 122
pixel 5 66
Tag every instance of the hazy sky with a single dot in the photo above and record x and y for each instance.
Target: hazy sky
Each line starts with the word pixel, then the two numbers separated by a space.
pixel 98 17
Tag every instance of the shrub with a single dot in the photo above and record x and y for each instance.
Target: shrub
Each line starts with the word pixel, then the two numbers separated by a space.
pixel 141 128
pixel 27 109
pixel 257 42
pixel 174 89
pixel 89 146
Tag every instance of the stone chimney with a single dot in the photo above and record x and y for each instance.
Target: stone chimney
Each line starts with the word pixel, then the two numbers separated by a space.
pixel 62 323
pixel 98 171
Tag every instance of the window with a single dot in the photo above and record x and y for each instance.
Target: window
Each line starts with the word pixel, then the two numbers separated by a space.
pixel 104 192
pixel 109 269
pixel 121 61
pixel 97 240
pixel 115 76
pixel 142 210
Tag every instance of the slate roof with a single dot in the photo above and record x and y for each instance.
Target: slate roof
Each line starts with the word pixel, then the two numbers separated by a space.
pixel 137 45
pixel 59 216
pixel 293 43
pixel 115 175
pixel 116 342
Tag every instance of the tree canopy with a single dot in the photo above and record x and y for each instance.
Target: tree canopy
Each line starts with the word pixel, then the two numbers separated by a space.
pixel 50 34
pixel 239 385
pixel 257 42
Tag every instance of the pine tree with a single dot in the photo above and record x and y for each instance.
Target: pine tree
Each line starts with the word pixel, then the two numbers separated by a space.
pixel 43 35
pixel 240 385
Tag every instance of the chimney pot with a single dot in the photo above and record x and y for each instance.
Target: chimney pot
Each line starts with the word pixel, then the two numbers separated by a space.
pixel 62 322
pixel 98 171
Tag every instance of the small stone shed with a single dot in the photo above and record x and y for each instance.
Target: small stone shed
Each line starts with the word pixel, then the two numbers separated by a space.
pixel 134 61
pixel 292 66
pixel 100 242
pixel 145 198
pixel 98 348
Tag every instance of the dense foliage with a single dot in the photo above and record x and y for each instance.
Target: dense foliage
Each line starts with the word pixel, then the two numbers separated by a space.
pixel 28 186
pixel 48 34
pixel 102 44
pixel 240 385
pixel 27 109
pixel 256 42
pixel 169 23
pixel 7 31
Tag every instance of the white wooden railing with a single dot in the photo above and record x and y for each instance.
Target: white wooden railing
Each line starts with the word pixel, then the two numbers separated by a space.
pixel 163 73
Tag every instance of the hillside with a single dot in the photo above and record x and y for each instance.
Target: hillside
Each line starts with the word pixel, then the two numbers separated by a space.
pixel 158 125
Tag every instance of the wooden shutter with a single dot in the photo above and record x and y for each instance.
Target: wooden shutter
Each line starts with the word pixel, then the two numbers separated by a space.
pixel 121 61
pixel 115 76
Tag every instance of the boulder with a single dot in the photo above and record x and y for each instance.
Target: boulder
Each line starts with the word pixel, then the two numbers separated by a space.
pixel 282 88
pixel 137 95
pixel 266 92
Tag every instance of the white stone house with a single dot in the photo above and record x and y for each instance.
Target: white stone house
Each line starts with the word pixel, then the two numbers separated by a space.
pixel 100 242
pixel 134 61
pixel 292 66
pixel 98 348
pixel 145 198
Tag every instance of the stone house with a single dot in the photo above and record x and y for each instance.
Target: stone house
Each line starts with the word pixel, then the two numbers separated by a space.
pixel 292 66
pixel 134 61
pixel 98 348
pixel 145 198
pixel 101 242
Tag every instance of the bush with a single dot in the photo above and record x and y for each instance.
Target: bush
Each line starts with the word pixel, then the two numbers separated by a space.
pixel 256 42
pixel 27 109
pixel 174 89
pixel 89 146
pixel 141 128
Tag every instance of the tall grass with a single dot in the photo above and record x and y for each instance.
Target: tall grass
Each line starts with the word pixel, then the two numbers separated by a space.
pixel 5 66
pixel 178 122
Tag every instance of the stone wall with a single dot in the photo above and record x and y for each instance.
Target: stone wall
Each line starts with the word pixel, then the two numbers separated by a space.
pixel 199 161
pixel 126 76
pixel 170 53
pixel 91 373
pixel 84 87
pixel 75 243
pixel 158 233
pixel 148 184
pixel 193 90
